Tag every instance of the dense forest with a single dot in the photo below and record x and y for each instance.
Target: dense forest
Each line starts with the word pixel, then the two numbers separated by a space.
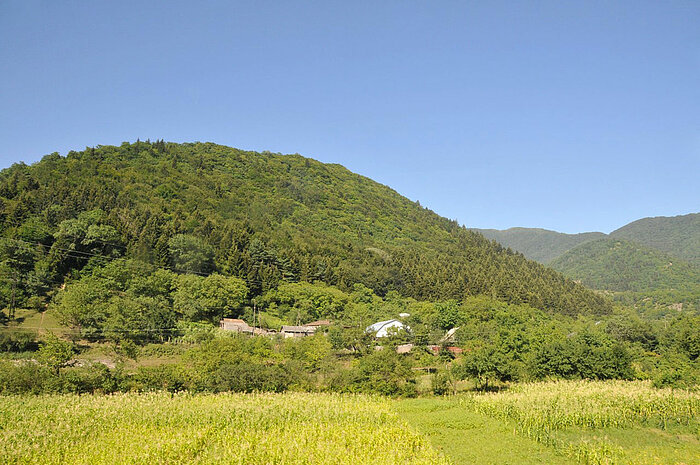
pixel 650 264
pixel 678 236
pixel 620 265
pixel 263 218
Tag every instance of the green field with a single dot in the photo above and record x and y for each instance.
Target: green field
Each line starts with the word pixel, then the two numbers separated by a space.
pixel 469 437
pixel 565 422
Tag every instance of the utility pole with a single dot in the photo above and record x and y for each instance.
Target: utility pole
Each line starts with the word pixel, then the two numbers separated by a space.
pixel 12 301
pixel 254 309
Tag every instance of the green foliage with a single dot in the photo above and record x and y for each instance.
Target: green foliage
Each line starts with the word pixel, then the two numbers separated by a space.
pixel 266 218
pixel 587 355
pixel 236 363
pixel 55 353
pixel 678 235
pixel 486 364
pixel 448 315
pixel 313 352
pixel 209 299
pixel 190 254
pixel 304 302
pixel 632 329
pixel 683 336
pixel 620 265
pixel 676 371
pixel 443 382
pixel 125 299
pixel 12 340
pixel 383 372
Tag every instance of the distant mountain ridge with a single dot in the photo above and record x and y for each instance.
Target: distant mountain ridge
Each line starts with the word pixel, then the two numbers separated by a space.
pixel 538 244
pixel 678 236
pixel 649 263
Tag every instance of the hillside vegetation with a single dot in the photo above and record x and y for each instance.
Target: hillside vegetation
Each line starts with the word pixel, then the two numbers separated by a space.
pixel 541 245
pixel 620 265
pixel 678 235
pixel 138 251
pixel 651 264
pixel 263 218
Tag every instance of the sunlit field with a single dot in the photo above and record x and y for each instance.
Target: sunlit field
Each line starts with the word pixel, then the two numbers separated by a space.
pixel 563 422
pixel 207 429
pixel 602 422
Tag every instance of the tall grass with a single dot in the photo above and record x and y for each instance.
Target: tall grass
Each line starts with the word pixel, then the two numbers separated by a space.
pixel 541 410
pixel 158 428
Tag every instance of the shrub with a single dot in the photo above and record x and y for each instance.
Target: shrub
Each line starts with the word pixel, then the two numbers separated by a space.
pixel 18 341
pixel 382 372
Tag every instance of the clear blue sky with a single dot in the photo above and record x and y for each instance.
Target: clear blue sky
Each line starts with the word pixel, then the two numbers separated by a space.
pixel 572 116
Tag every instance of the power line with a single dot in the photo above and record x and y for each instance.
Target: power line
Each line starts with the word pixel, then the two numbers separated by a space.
pixel 89 330
pixel 106 257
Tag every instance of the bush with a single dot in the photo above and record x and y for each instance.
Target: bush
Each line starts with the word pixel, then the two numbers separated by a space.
pixel 23 378
pixel 587 356
pixel 239 377
pixel 171 378
pixel 90 379
pixel 382 372
pixel 29 377
pixel 18 341
pixel 677 372
pixel 442 383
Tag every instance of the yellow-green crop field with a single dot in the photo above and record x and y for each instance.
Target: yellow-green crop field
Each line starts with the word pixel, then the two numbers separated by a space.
pixel 207 429
pixel 613 422
pixel 565 422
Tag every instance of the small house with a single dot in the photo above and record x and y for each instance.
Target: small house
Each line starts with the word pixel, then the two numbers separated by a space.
pixel 235 324
pixel 318 323
pixel 297 331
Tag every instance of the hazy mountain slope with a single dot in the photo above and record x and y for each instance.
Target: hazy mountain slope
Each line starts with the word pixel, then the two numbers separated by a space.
pixel 620 265
pixel 538 244
pixel 267 218
pixel 677 235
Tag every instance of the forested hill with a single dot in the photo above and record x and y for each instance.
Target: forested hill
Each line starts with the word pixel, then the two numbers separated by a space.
pixel 620 265
pixel 264 217
pixel 538 244
pixel 677 235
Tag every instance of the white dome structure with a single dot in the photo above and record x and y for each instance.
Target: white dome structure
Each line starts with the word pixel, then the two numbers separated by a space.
pixel 381 328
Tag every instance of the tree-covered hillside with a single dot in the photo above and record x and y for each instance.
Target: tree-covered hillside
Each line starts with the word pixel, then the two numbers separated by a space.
pixel 620 265
pixel 677 235
pixel 266 218
pixel 537 244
